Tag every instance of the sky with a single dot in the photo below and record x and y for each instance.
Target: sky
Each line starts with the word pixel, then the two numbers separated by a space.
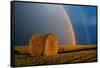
pixel 35 18
pixel 83 19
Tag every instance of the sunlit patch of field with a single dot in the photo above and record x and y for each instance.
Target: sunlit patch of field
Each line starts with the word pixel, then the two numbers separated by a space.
pixel 66 54
pixel 22 48
pixel 61 48
pixel 67 48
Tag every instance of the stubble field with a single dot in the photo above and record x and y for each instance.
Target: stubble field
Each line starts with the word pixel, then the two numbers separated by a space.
pixel 66 54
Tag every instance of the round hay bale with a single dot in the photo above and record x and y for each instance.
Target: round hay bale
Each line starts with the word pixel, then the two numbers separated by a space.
pixel 36 45
pixel 51 45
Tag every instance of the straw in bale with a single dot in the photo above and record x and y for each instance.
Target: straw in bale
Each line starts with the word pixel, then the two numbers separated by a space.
pixel 36 44
pixel 51 45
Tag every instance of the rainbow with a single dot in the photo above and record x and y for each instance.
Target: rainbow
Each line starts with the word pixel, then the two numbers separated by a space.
pixel 71 32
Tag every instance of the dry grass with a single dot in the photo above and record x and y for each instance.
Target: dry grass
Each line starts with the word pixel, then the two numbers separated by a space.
pixel 67 54
pixel 71 57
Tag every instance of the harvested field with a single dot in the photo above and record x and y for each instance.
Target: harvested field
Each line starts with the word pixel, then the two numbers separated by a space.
pixel 79 54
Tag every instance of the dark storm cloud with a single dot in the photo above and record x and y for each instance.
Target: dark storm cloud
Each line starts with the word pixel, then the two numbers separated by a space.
pixel 33 18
